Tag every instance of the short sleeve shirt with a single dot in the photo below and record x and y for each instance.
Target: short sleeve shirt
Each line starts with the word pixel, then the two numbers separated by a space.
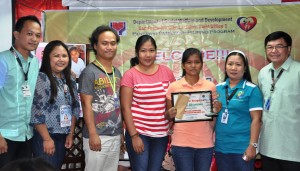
pixel 149 100
pixel 279 136
pixel 106 108
pixel 192 134
pixel 234 137
pixel 15 108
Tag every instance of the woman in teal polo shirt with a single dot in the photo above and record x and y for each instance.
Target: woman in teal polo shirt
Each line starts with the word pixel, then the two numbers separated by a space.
pixel 239 121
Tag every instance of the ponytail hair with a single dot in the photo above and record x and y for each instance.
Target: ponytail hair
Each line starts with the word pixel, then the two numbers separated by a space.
pixel 134 61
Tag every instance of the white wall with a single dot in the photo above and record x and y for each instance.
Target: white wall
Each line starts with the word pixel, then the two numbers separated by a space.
pixel 6 24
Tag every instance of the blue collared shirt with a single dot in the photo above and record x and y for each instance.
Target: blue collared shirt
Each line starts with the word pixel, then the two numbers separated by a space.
pixel 15 108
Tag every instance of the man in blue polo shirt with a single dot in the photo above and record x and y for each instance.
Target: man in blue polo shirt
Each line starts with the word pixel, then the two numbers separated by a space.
pixel 18 75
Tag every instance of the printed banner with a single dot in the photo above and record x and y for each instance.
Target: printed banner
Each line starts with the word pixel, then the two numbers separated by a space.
pixel 215 31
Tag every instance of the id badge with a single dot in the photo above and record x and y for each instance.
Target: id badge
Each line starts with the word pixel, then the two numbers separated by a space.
pixel 26 90
pixel 267 104
pixel 65 116
pixel 225 116
pixel 117 101
pixel 66 88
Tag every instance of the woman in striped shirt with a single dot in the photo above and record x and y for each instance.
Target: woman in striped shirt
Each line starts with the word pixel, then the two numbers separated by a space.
pixel 143 102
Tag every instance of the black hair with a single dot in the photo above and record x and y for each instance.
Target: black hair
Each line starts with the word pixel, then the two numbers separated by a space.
pixel 20 23
pixel 99 30
pixel 277 35
pixel 187 53
pixel 247 75
pixel 73 48
pixel 134 61
pixel 46 68
pixel 34 164
pixel 139 42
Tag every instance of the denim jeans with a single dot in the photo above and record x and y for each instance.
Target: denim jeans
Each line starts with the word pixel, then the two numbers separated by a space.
pixel 229 162
pixel 192 159
pixel 60 150
pixel 152 157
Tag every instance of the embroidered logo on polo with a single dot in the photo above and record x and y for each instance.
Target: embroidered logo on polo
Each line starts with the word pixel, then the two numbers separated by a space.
pixel 240 94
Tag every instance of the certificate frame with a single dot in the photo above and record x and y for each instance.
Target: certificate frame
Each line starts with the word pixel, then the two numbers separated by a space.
pixel 198 108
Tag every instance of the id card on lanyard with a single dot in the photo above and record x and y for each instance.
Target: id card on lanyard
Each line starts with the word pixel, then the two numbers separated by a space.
pixel 65 110
pixel 26 90
pixel 65 115
pixel 25 86
pixel 112 84
pixel 225 115
pixel 267 104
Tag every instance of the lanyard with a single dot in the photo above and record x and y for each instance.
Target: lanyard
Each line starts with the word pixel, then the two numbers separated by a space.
pixel 20 63
pixel 229 97
pixel 275 80
pixel 113 85
pixel 66 89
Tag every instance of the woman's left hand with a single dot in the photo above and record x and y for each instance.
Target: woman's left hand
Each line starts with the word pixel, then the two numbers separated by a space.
pixel 250 153
pixel 171 113
pixel 69 141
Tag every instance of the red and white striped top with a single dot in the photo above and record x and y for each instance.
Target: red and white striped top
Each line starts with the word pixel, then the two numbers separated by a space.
pixel 149 100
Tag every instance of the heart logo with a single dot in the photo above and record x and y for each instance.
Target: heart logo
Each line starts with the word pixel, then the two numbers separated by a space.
pixel 119 26
pixel 246 23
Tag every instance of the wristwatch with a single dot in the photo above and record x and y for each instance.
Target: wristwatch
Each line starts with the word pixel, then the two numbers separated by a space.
pixel 254 145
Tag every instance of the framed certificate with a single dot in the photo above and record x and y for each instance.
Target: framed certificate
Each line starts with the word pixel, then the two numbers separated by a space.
pixel 193 106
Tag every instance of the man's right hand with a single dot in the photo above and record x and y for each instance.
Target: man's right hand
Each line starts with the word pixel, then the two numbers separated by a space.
pixel 3 145
pixel 95 142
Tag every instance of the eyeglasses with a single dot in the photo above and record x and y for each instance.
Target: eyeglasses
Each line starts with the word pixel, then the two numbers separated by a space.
pixel 277 47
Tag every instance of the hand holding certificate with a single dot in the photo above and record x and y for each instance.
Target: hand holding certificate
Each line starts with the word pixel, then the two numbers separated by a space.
pixel 193 106
pixel 180 105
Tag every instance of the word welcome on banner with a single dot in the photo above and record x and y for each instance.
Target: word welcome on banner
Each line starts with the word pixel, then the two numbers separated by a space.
pixel 215 31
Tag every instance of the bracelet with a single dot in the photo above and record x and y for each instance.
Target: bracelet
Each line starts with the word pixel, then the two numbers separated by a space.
pixel 134 135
